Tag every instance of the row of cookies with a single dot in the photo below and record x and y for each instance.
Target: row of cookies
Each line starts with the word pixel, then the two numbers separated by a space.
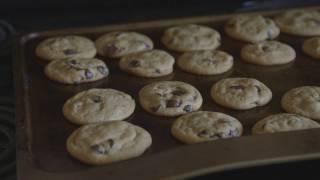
pixel 156 63
pixel 97 144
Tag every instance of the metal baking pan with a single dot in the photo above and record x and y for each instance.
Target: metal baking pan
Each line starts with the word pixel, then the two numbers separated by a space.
pixel 42 130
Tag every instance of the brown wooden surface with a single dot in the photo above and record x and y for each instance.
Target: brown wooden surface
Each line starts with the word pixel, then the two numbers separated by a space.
pixel 42 129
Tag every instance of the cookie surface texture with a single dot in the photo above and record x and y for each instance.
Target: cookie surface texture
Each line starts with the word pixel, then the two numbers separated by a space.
pixel 283 122
pixel 240 93
pixel 191 37
pixel 204 126
pixel 268 53
pixel 170 98
pixel 118 44
pixel 206 62
pixel 104 143
pixel 98 105
pixel 63 47
pixel 153 63
pixel 251 28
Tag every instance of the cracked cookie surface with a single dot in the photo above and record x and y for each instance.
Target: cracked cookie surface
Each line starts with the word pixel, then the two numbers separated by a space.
pixel 170 98
pixel 63 47
pixel 76 71
pixel 204 126
pixel 98 105
pixel 206 62
pixel 304 101
pixel 240 93
pixel 251 28
pixel 118 44
pixel 104 143
pixel 300 22
pixel 283 122
pixel 153 63
pixel 268 53
pixel 191 37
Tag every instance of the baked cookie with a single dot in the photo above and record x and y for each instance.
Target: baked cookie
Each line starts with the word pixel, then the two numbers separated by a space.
pixel 304 101
pixel 118 44
pixel 204 126
pixel 300 22
pixel 170 98
pixel 312 47
pixel 251 28
pixel 206 62
pixel 240 93
pixel 191 37
pixel 62 47
pixel 283 122
pixel 76 71
pixel 104 143
pixel 153 63
pixel 268 53
pixel 98 105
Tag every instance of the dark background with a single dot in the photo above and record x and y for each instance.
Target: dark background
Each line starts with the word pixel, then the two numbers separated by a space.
pixel 34 15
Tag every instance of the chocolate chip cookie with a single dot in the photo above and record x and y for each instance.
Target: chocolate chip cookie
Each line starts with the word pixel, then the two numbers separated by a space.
pixel 251 28
pixel 312 47
pixel 118 44
pixel 240 93
pixel 76 70
pixel 191 37
pixel 204 126
pixel 206 62
pixel 170 98
pixel 304 101
pixel 268 53
pixel 104 143
pixel 153 63
pixel 300 22
pixel 283 122
pixel 62 47
pixel 98 105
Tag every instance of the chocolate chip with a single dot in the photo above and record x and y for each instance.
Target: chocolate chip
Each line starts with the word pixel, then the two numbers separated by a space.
pixel 155 109
pixel 111 142
pixel 258 89
pixel 96 99
pixel 234 133
pixel 104 147
pixel 173 103
pixel 237 87
pixel 69 51
pixel 73 62
pixel 203 133
pixel 99 148
pixel 88 74
pixel 215 136
pixel 195 97
pixel 231 25
pixel 187 108
pixel 158 94
pixel 102 70
pixel 134 63
pixel 147 46
pixel 158 71
pixel 111 49
pixel 178 92
pixel 266 49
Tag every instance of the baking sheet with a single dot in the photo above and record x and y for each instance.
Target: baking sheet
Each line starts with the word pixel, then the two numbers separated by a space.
pixel 42 129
